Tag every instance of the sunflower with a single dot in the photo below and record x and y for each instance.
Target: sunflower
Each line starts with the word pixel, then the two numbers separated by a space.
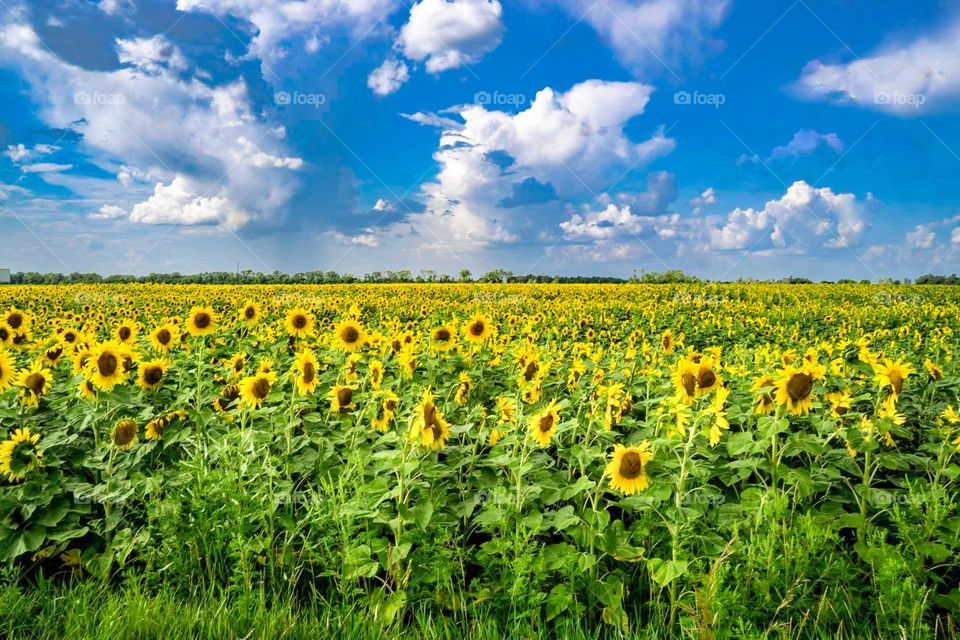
pixel 442 338
pixel 627 468
pixel 126 332
pixel 935 372
pixel 794 388
pixel 35 382
pixel 544 424
pixel 765 404
pixel 156 427
pixel 341 398
pixel 86 390
pixel 375 372
pixel 6 334
pixel 305 369
pixel 19 454
pixel 106 365
pixel 201 321
pixel 891 374
pixel 152 373
pixel 428 426
pixel 667 342
pixel 226 399
pixel 125 434
pixel 477 329
pixel 496 435
pixel 348 335
pixel 386 411
pixel 7 371
pixel 235 365
pixel 250 313
pixel 463 389
pixel 840 403
pixel 299 323
pixel 17 320
pixel 685 380
pixel 707 375
pixel 165 337
pixel 255 389
pixel 507 409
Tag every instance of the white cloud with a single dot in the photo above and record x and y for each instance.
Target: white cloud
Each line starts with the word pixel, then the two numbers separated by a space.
pixel 45 167
pixel 179 203
pixel 805 219
pixel 145 122
pixel 151 54
pixel 108 212
pixel 364 239
pixel 906 80
pixel 709 196
pixel 281 25
pixel 922 237
pixel 433 120
pixel 955 236
pixel 805 142
pixel 650 34
pixel 451 33
pixel 388 77
pixel 19 153
pixel 116 7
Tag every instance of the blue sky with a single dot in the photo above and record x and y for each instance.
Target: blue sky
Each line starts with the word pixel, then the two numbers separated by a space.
pixel 724 138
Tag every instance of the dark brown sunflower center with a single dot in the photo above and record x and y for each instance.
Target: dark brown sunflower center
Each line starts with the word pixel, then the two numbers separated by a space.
pixel 249 313
pixel 477 328
pixel 69 337
pixel 896 381
pixel 429 415
pixel 344 396
pixel 667 342
pixel 390 404
pixel 841 411
pixel 15 320
pixel 36 383
pixel 706 379
pixel 299 321
pixel 54 353
pixel 546 423
pixel 230 392
pixel 4 334
pixel 124 333
pixel 152 375
pixel 124 433
pixel 689 382
pixel 631 465
pixel 309 373
pixel 202 320
pixel 261 387
pixel 442 335
pixel 349 334
pixel 530 371
pixel 163 336
pixel 799 386
pixel 107 364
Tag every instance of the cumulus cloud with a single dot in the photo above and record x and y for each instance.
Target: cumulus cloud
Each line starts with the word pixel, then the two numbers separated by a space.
pixel 146 120
pixel 922 237
pixel 180 203
pixel 709 196
pixel 804 219
pixel 805 142
pixel 905 80
pixel 650 34
pixel 446 34
pixel 388 77
pixel 108 212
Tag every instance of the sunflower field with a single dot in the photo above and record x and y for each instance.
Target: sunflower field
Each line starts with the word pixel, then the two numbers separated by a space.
pixel 461 460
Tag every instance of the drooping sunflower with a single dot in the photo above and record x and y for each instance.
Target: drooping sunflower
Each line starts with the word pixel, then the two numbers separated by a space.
pixel 341 398
pixel 106 365
pixel 544 424
pixel 935 371
pixel 8 370
pixel 667 342
pixel 463 388
pixel 299 323
pixel 152 373
pixel 19 454
pixel 125 434
pixel 892 374
pixel 428 426
pixel 376 373
pixel 201 321
pixel 794 387
pixel 305 370
pixel 386 411
pixel 765 404
pixel 227 397
pixel 442 338
pixel 35 383
pixel 255 389
pixel 250 313
pixel 507 409
pixel 348 335
pixel 86 390
pixel 477 329
pixel 840 403
pixel 235 365
pixel 627 469
pixel 165 337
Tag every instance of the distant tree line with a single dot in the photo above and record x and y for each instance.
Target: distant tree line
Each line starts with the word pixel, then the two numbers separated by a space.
pixel 673 276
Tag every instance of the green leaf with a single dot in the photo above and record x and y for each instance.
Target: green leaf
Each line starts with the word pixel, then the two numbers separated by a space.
pixel 664 572
pixel 558 600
